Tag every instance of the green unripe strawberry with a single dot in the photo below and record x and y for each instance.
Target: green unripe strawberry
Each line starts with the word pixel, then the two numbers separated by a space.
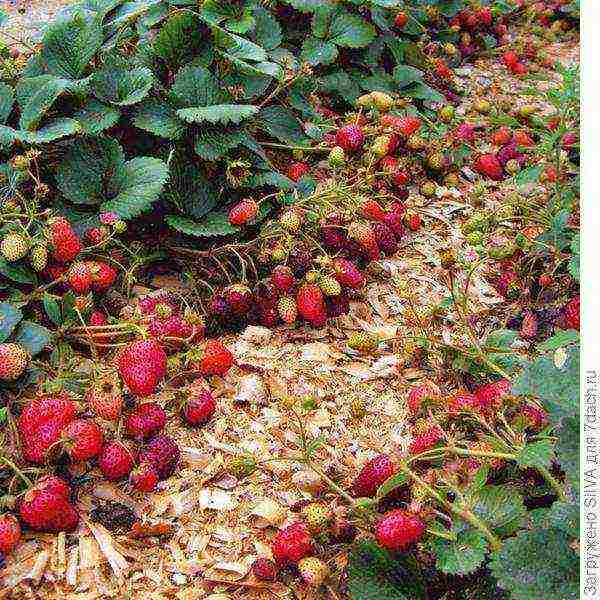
pixel 364 341
pixel 482 107
pixel 475 238
pixel 435 161
pixel 477 222
pixel 446 114
pixel 318 517
pixel 428 189
pixel 14 246
pixel 337 157
pixel 38 258
pixel 512 166
pixel 241 466
pixel 382 101
pixel 527 110
pixel 416 143
pixel 330 286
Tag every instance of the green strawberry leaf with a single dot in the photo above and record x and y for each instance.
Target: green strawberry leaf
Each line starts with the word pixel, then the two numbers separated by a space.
pixel 33 337
pixel 462 556
pixel 10 316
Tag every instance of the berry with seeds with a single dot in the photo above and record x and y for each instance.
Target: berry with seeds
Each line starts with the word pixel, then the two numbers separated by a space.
pixel 13 361
pixel 103 276
pixel 425 441
pixel 489 165
pixel 10 533
pixel 297 169
pixel 371 209
pixel 310 302
pixel 79 278
pixel 199 407
pixel 217 359
pixel 291 544
pixel 372 475
pixel 46 506
pixel 38 258
pixel 65 243
pixel 398 529
pixel 162 452
pixel 350 138
pixel 412 220
pixel 14 246
pixel 461 401
pixel 116 460
pixel 41 423
pixel 287 310
pixel 364 342
pixel 421 396
pixel 264 569
pixel 144 478
pixel 572 313
pixel 348 274
pixel 314 571
pixel 363 234
pixel 502 136
pixel 146 420
pixel 337 157
pixel 318 517
pixel 82 439
pixel 282 278
pixel 492 395
pixel 291 220
pixel 386 238
pixel 105 402
pixel 401 20
pixel 239 298
pixel 142 365
pixel 330 286
pixel 243 213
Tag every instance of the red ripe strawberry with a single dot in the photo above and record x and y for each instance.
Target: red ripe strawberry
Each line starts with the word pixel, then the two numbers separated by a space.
pixel 371 209
pixel 529 326
pixel 217 359
pixel 398 529
pixel 163 454
pixel 491 395
pixel 484 15
pixel 519 69
pixel 400 178
pixel 364 235
pixel 388 164
pixel 310 302
pixel 283 279
pixel 82 439
pixel 502 136
pixel 66 245
pixel 116 460
pixel 41 422
pixel 534 417
pixel 572 313
pixel 401 20
pixel 570 139
pixel 243 212
pixel 144 478
pixel 103 276
pixel 10 533
pixel 239 298
pixel 199 407
pixel 96 235
pixel 465 132
pixel 442 70
pixel 13 361
pixel 46 507
pixel 413 220
pixel 297 169
pixel 97 318
pixel 521 138
pixel 350 137
pixel 264 569
pixel 489 165
pixel 461 401
pixel 348 274
pixel 425 441
pixel 372 475
pixel 395 221
pixel 386 238
pixel 408 125
pixel 421 395
pixel 173 326
pixel 79 278
pixel 292 544
pixel 506 283
pixel 147 419
pixel 142 365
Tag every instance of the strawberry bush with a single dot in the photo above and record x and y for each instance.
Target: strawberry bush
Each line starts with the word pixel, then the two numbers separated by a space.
pixel 277 160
